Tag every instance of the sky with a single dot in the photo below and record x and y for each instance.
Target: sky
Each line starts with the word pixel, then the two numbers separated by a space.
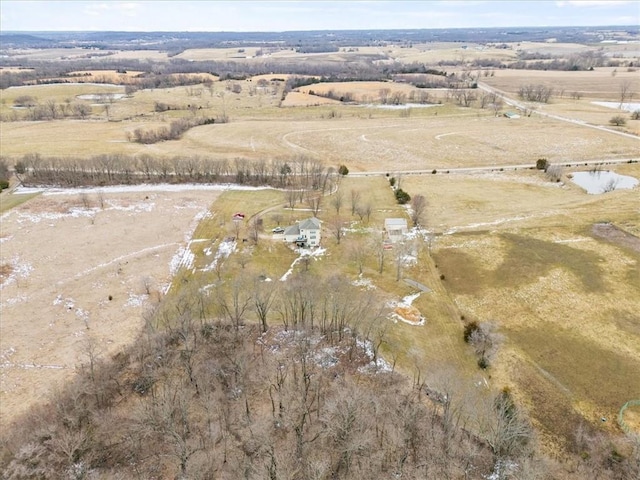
pixel 250 16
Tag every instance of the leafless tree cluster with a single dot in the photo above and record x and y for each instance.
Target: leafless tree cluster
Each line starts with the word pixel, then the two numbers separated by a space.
pixel 204 396
pixel 535 93
pixel 29 108
pixel 492 101
pixel 485 341
pixel 175 130
pixel 299 173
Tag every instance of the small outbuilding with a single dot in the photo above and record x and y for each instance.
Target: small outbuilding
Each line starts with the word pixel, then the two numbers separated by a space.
pixel 395 228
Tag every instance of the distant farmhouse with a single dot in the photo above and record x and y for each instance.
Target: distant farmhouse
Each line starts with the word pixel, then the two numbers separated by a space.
pixel 305 234
pixel 395 228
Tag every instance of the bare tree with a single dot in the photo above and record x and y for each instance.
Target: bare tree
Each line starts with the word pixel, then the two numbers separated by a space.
pixel 291 196
pixel 337 200
pixel 337 227
pixel 235 301
pixel 496 106
pixel 314 200
pixel 255 227
pixel 383 94
pixel 554 172
pixel 418 207
pixel 355 200
pixel 379 250
pixel 504 427
pixel 358 253
pixel 263 299
pixel 626 92
pixel 485 341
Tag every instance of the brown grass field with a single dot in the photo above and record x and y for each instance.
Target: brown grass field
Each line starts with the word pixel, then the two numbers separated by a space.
pixel 67 257
pixel 513 248
pixel 520 253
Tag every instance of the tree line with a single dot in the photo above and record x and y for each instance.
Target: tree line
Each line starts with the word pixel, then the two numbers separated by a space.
pixel 298 172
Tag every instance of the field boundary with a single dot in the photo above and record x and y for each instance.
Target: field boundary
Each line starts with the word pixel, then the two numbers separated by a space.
pixel 621 422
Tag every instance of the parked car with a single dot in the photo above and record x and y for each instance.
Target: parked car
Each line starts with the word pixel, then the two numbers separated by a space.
pixel 278 230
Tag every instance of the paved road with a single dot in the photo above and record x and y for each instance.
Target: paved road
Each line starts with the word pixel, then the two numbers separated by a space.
pixel 493 168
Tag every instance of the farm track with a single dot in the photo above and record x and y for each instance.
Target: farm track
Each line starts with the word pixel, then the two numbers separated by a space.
pixel 514 103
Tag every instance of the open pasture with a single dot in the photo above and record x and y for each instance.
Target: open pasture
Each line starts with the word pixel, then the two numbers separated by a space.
pixel 362 138
pixel 521 253
pixel 367 92
pixel 57 92
pixel 80 269
pixel 600 84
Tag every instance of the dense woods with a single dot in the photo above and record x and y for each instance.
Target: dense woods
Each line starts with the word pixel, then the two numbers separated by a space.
pixel 204 394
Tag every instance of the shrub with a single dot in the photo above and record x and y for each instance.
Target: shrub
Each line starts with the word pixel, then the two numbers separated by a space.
pixel 635 115
pixel 343 170
pixel 618 120
pixel 402 197
pixel 542 164
pixel 392 181
pixel 469 329
pixel 4 184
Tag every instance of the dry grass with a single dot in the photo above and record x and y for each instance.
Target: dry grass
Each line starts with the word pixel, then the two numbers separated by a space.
pixel 79 274
pixel 519 252
pixel 218 54
pixel 524 257
pixel 6 269
pixel 9 201
pixel 599 84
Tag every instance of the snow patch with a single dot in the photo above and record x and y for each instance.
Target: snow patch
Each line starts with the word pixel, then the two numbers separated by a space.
pixel 183 258
pixel 318 252
pixel 136 300
pixel 19 270
pixel 161 187
pixel 225 249
pixel 378 364
pixel 366 283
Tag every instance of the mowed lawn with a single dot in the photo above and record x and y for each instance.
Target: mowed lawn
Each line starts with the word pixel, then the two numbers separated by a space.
pixel 522 255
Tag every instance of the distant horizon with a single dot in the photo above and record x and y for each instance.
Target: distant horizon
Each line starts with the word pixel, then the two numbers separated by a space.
pixel 243 16
pixel 319 30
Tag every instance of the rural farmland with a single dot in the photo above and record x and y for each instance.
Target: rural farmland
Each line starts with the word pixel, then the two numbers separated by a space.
pixel 154 262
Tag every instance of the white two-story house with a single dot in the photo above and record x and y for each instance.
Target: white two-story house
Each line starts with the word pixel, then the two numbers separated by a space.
pixel 306 233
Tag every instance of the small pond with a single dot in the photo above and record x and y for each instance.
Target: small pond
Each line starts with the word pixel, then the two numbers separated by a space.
pixel 602 181
pixel 102 97
pixel 402 106
pixel 627 106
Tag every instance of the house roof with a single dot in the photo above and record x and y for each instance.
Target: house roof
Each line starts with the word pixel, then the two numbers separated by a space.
pixel 309 224
pixel 395 222
pixel 292 230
